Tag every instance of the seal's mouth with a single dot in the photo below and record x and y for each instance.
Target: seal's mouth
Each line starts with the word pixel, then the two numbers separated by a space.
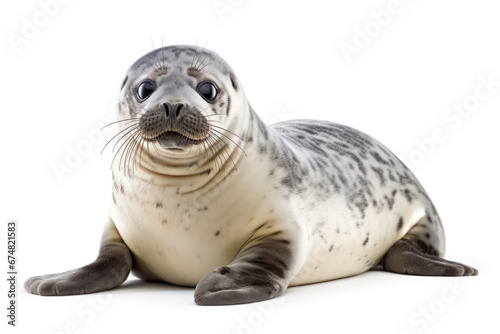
pixel 176 140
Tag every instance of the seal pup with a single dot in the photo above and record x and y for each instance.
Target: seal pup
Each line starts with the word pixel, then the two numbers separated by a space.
pixel 204 194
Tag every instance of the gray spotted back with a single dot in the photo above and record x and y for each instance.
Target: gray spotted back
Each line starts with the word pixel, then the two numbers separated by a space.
pixel 345 161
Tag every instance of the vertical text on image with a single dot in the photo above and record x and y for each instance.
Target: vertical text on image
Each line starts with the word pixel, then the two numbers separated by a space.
pixel 12 265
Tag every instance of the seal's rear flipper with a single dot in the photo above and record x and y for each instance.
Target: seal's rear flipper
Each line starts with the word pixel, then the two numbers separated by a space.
pixel 407 256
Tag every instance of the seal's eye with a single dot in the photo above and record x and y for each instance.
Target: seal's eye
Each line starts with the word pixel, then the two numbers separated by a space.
pixel 146 88
pixel 207 90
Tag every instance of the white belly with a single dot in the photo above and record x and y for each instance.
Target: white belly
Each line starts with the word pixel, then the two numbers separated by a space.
pixel 181 242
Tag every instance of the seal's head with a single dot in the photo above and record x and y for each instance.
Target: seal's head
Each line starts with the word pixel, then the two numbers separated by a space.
pixel 178 98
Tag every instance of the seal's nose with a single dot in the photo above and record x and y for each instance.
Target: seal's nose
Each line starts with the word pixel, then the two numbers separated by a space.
pixel 172 110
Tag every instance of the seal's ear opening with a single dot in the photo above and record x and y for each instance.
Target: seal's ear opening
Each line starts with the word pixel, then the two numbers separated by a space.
pixel 124 82
pixel 233 82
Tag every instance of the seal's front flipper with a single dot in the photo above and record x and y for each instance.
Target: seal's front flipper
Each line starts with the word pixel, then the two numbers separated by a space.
pixel 406 256
pixel 259 273
pixel 109 270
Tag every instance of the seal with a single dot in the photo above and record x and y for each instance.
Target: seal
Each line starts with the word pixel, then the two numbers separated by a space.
pixel 205 195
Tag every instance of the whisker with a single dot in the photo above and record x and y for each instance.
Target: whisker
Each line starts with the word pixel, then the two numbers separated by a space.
pixel 155 62
pixel 152 61
pixel 126 152
pixel 230 140
pixel 147 149
pixel 141 144
pixel 202 110
pixel 215 114
pixel 194 53
pixel 123 157
pixel 227 152
pixel 214 121
pixel 133 152
pixel 161 61
pixel 201 68
pixel 153 44
pixel 234 134
pixel 124 142
pixel 224 148
pixel 199 58
pixel 122 120
pixel 123 136
pixel 215 149
pixel 116 136
pixel 207 54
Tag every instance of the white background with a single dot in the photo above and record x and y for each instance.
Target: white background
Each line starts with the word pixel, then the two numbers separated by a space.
pixel 63 82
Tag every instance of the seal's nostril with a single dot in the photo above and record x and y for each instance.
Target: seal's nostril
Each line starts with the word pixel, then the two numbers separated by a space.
pixel 168 108
pixel 178 108
pixel 174 110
